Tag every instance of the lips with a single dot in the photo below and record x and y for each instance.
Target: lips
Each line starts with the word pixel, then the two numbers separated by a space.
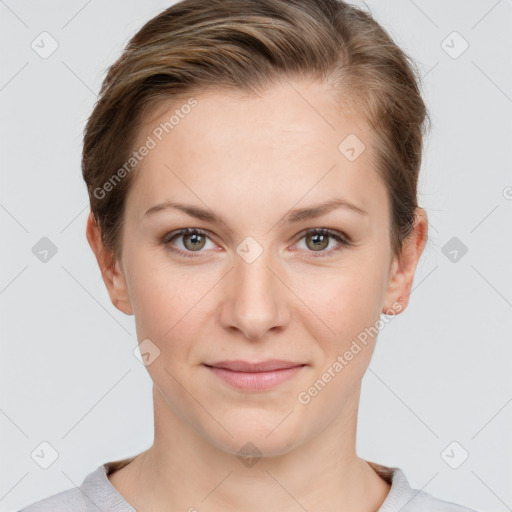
pixel 255 376
pixel 254 367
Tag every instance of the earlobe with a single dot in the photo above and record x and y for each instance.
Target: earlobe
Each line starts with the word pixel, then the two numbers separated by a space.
pixel 403 269
pixel 111 272
pixel 120 296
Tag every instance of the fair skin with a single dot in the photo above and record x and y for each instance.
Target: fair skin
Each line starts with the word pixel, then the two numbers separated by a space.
pixel 250 160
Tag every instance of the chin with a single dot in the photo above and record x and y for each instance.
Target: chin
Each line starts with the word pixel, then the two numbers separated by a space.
pixel 258 435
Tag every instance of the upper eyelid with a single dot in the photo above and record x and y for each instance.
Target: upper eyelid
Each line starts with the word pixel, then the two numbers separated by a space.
pixel 185 231
pixel 328 231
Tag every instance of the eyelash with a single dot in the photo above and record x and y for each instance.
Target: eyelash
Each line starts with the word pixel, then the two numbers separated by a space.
pixel 343 240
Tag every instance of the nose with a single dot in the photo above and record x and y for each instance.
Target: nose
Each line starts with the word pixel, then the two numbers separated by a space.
pixel 256 296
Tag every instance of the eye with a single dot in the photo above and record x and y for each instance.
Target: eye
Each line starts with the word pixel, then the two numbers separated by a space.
pixel 317 239
pixel 193 241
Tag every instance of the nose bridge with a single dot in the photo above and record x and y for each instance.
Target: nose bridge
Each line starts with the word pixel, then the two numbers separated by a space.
pixel 254 274
pixel 258 301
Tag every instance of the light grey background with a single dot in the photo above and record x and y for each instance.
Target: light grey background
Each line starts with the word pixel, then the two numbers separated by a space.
pixel 442 369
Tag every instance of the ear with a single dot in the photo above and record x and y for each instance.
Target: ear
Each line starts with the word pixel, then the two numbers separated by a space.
pixel 403 268
pixel 111 271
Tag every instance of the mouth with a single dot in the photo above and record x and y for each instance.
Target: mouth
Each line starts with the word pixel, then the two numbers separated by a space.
pixel 255 376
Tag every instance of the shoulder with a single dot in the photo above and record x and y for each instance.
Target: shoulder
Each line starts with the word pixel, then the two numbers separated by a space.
pixel 71 499
pixel 95 493
pixel 423 502
pixel 403 498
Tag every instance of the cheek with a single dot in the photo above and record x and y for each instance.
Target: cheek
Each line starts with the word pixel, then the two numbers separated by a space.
pixel 159 295
pixel 346 299
pixel 339 299
pixel 169 305
pixel 350 307
pixel 156 305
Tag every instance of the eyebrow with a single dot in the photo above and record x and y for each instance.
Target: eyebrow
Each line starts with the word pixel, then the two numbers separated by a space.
pixel 293 216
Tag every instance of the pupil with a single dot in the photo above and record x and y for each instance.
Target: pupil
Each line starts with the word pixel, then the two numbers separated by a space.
pixel 194 240
pixel 319 241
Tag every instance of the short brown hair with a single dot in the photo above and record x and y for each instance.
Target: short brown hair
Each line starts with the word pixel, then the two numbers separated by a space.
pixel 247 45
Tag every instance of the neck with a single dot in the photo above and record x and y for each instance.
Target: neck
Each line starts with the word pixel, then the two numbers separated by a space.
pixel 183 470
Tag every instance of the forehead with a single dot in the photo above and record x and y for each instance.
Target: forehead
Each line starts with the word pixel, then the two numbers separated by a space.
pixel 292 141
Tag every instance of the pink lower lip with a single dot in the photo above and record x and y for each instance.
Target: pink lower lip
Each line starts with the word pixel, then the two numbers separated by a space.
pixel 255 381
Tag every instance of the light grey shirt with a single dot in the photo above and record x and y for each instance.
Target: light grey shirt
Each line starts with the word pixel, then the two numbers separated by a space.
pixel 96 493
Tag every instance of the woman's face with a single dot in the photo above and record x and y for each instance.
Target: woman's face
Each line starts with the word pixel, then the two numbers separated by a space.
pixel 252 285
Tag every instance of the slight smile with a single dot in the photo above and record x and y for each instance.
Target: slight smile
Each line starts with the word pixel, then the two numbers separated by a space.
pixel 256 376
